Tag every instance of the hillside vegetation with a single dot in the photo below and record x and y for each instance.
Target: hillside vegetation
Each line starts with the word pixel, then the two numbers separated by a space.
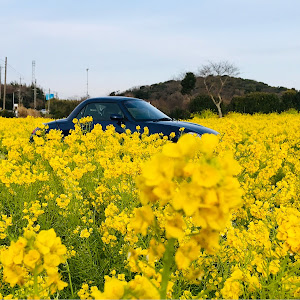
pixel 22 93
pixel 241 95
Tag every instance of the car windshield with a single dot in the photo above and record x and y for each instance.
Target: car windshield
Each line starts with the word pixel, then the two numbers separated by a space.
pixel 144 111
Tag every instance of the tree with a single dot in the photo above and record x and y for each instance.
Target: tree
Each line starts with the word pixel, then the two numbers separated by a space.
pixel 188 83
pixel 200 103
pixel 256 102
pixel 62 108
pixel 290 99
pixel 215 76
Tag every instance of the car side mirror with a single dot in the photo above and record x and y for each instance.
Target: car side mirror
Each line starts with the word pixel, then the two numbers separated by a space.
pixel 116 117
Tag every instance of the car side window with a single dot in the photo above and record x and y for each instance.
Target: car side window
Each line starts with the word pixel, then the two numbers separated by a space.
pixel 81 113
pixel 102 111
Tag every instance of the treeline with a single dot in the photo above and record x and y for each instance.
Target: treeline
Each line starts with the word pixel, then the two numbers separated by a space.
pixel 280 99
pixel 62 108
pixel 239 95
pixel 255 102
pixel 22 94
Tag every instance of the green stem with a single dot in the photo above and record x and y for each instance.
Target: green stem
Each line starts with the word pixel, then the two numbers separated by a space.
pixel 35 283
pixel 70 280
pixel 168 260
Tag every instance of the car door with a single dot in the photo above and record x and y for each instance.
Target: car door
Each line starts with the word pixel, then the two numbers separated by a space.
pixel 101 113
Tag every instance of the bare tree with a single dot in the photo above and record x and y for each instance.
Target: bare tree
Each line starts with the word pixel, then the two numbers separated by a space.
pixel 215 76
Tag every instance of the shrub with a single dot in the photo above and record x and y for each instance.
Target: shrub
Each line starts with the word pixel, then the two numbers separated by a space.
pixel 24 112
pixel 206 114
pixel 7 114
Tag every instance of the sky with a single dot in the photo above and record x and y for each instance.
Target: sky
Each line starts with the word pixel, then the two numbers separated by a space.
pixel 129 43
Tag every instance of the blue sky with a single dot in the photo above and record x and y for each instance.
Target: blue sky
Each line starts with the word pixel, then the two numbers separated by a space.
pixel 127 43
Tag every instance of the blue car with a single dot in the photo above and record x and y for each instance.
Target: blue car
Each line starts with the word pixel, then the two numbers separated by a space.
pixel 131 112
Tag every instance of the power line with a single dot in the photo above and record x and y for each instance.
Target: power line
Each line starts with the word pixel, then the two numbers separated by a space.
pixel 11 67
pixel 4 92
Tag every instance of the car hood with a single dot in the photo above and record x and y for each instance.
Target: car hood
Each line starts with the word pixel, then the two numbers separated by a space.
pixel 55 124
pixel 188 127
pixel 195 127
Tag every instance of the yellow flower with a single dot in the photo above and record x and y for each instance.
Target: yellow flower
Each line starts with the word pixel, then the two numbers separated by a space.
pixel 63 201
pixel 187 253
pixel 206 176
pixel 274 266
pixel 143 219
pixel 95 293
pixel 233 288
pixel 84 292
pixel 172 135
pixel 156 250
pixel 175 227
pixel 208 143
pixel 51 261
pixel 15 253
pixel 14 275
pixel 113 289
pixel 185 200
pixel 84 233
pixel 55 283
pixel 45 240
pixel 186 146
pixel 32 258
pixel 143 288
pixel 253 283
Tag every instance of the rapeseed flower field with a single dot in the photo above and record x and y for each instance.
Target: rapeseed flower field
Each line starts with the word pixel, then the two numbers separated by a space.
pixel 101 215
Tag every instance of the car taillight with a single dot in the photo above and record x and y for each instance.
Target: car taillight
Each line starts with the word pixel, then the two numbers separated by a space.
pixel 35 130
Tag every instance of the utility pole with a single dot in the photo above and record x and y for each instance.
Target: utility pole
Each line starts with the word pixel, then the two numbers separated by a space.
pixel 49 103
pixel 19 94
pixel 87 83
pixel 0 81
pixel 33 71
pixel 34 84
pixel 34 95
pixel 4 92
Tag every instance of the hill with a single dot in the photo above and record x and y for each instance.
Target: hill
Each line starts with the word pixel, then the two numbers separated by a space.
pixel 167 95
pixel 240 95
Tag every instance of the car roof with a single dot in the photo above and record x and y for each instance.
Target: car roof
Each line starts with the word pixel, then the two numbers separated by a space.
pixel 111 99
